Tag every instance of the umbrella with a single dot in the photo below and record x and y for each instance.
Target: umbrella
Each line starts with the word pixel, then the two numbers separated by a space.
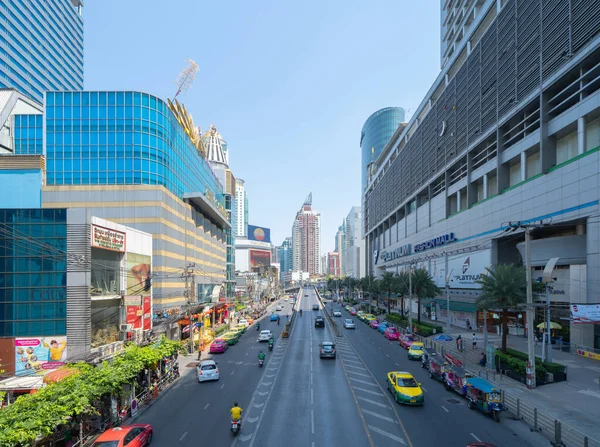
pixel 553 325
pixel 442 337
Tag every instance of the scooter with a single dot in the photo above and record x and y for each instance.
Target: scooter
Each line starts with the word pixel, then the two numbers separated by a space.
pixel 260 363
pixel 236 426
pixel 258 326
pixel 270 346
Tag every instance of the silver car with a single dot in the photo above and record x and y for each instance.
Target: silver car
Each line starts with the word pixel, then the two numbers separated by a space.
pixel 349 324
pixel 337 313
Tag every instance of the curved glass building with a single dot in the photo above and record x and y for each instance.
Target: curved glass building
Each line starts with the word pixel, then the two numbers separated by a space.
pixel 375 134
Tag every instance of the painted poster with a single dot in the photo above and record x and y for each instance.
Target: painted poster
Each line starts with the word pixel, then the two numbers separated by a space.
pixel 39 355
pixel 585 313
pixel 138 274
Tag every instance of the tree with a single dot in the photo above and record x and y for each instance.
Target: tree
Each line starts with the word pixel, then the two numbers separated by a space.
pixel 423 287
pixel 402 288
pixel 389 284
pixel 503 287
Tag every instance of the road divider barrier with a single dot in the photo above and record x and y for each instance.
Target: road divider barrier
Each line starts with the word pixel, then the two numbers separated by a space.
pixel 332 323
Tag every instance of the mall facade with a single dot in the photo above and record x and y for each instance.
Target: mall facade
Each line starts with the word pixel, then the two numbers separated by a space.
pixel 509 132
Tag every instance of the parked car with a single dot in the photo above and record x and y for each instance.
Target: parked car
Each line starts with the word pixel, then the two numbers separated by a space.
pixel 207 370
pixel 230 337
pixel 218 345
pixel 349 324
pixel 327 350
pixel 382 326
pixel 315 306
pixel 406 340
pixel 265 335
pixel 240 326
pixel 352 311
pixel 244 322
pixel 415 352
pixel 135 435
pixel 319 321
pixel 337 313
pixel 374 324
pixel 391 333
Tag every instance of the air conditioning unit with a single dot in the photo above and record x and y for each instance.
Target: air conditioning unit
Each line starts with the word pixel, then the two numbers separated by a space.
pixel 126 327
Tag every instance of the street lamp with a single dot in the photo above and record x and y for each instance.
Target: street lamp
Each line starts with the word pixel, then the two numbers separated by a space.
pixel 547 279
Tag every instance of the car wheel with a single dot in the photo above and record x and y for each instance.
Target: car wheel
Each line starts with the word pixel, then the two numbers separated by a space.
pixel 396 398
pixel 470 404
pixel 149 440
pixel 430 375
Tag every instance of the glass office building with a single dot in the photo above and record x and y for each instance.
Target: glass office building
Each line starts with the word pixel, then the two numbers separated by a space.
pixel 376 133
pixel 33 272
pixel 28 138
pixel 41 46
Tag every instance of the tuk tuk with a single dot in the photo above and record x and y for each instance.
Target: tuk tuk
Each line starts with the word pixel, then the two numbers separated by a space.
pixel 427 354
pixel 484 396
pixel 437 368
pixel 456 379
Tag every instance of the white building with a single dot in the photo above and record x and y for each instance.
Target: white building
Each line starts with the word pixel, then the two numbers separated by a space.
pixel 353 263
pixel 250 254
pixel 241 216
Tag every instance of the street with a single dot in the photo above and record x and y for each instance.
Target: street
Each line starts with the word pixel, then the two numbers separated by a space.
pixel 298 399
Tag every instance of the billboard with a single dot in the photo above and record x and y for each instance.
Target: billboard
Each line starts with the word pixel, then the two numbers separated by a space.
pixel 39 355
pixel 260 234
pixel 139 274
pixel 585 313
pixel 466 269
pixel 108 239
pixel 260 258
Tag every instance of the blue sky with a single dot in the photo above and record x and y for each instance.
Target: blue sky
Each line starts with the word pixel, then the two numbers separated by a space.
pixel 288 84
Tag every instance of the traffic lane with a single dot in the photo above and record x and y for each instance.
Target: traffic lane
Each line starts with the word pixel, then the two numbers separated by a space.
pixel 446 411
pixel 190 409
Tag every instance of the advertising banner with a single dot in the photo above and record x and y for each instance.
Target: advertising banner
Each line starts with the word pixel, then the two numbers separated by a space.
pixel 39 355
pixel 108 239
pixel 438 271
pixel 138 274
pixel 260 258
pixel 147 313
pixel 134 316
pixel 585 313
pixel 260 234
pixel 467 269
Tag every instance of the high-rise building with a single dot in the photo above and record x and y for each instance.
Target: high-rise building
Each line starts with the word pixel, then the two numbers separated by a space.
pixel 41 46
pixel 285 257
pixel 375 134
pixel 340 246
pixel 241 201
pixel 218 157
pixel 352 262
pixel 306 239
pixel 334 264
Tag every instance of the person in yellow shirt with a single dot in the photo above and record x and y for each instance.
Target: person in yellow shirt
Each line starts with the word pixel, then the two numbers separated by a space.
pixel 56 349
pixel 236 412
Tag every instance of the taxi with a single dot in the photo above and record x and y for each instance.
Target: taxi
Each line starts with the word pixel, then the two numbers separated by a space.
pixel 347 308
pixel 230 337
pixel 241 326
pixel 415 352
pixel 368 318
pixel 360 315
pixel 250 320
pixel 405 389
pixel 352 311
pixel 237 330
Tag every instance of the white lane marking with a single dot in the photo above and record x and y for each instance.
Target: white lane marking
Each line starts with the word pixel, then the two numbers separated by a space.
pixel 387 355
pixel 386 434
pixel 380 416
pixel 373 402
pixel 183 436
pixel 269 375
pixel 368 391
pixel 476 438
pixel 258 405
pixel 245 438
pixel 397 364
pixel 311 379
pixel 312 444
pixel 222 386
pixel 232 372
pixel 266 383
pixel 445 409
pixel 354 366
pixel 359 374
pixel 252 420
pixel 206 406
pixel 312 422
pixel 263 394
pixel 311 396
pixel 364 381
pixel 353 361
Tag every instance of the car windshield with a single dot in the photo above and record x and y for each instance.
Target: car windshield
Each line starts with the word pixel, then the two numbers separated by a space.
pixel 208 367
pixel 393 330
pixel 265 332
pixel 327 347
pixel 349 321
pixel 416 348
pixel 407 383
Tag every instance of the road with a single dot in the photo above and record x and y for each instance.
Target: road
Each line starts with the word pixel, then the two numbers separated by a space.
pixel 298 399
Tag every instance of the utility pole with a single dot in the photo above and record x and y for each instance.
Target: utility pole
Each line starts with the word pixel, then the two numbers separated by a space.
pixel 410 271
pixel 191 298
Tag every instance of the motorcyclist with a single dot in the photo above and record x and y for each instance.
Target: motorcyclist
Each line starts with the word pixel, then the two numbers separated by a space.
pixel 300 312
pixel 258 326
pixel 261 356
pixel 271 341
pixel 236 412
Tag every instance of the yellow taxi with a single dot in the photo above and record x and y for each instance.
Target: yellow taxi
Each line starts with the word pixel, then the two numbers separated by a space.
pixel 415 352
pixel 368 318
pixel 404 388
pixel 237 330
pixel 241 326
pixel 360 315
pixel 230 337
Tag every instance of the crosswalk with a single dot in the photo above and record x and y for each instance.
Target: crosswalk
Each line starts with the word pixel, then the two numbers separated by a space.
pixel 377 412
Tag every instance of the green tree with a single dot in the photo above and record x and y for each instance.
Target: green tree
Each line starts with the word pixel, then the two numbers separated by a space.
pixel 502 287
pixel 423 287
pixel 402 288
pixel 389 285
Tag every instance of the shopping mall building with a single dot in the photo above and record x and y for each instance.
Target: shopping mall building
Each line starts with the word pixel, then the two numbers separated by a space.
pixel 509 132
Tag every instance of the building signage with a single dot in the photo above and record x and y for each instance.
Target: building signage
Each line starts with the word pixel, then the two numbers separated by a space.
pixel 585 313
pixel 435 242
pixel 467 269
pixel 390 255
pixel 108 239
pixel 132 300
pixel 39 355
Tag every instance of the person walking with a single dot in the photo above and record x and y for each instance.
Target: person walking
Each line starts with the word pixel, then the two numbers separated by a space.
pixel 474 340
pixel 459 343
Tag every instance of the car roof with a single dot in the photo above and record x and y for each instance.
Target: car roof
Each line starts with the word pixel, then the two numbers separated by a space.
pixel 416 344
pixel 265 330
pixel 118 433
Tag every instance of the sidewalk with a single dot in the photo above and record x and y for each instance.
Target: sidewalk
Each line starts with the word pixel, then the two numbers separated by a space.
pixel 575 402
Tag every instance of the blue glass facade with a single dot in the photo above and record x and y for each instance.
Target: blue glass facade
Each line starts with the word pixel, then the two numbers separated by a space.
pixel 28 134
pixel 121 138
pixel 41 46
pixel 33 272
pixel 376 132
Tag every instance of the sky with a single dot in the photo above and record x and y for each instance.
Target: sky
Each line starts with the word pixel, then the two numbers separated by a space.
pixel 288 84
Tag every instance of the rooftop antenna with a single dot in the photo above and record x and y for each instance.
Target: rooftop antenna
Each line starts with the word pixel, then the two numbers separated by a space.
pixel 186 77
pixel 308 200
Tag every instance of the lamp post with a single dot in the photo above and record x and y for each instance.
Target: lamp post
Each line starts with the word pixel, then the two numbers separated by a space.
pixel 410 273
pixel 547 279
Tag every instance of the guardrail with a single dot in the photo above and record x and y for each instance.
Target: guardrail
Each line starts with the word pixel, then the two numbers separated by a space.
pixel 332 322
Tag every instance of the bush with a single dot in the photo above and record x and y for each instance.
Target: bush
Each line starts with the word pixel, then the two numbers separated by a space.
pixel 240 306
pixel 423 329
pixel 220 330
pixel 553 368
pixel 518 364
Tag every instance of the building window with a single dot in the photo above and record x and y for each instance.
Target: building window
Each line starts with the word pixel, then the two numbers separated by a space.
pixel 106 267
pixel 515 172
pixel 533 166
pixel 592 139
pixel 566 147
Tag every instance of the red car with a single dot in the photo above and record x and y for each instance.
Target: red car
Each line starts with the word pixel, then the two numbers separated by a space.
pixel 391 333
pixel 135 435
pixel 374 324
pixel 406 340
pixel 218 345
pixel 352 311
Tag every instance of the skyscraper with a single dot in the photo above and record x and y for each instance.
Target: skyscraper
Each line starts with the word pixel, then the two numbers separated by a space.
pixel 340 246
pixel 285 257
pixel 306 239
pixel 353 264
pixel 241 198
pixel 41 46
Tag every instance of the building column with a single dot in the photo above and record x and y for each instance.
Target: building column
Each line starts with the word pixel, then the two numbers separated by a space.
pixel 458 201
pixel 581 134
pixel 523 166
pixel 485 186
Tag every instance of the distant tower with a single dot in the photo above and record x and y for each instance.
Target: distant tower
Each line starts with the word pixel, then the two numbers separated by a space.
pixel 306 239
pixel 241 198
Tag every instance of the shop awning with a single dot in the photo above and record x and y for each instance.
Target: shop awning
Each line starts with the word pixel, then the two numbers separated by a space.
pixel 59 374
pixel 22 383
pixel 458 306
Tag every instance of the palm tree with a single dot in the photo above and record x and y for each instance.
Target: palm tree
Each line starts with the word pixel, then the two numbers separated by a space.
pixel 402 288
pixel 423 287
pixel 389 284
pixel 503 287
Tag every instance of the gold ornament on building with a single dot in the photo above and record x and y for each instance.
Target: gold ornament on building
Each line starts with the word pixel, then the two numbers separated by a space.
pixel 186 121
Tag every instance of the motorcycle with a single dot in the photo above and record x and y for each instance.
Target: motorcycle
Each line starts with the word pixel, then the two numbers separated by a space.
pixel 300 312
pixel 260 363
pixel 236 427
pixel 270 346
pixel 175 371
pixel 258 326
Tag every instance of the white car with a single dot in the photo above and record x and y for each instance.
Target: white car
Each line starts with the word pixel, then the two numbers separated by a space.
pixel 244 322
pixel 279 307
pixel 286 299
pixel 337 313
pixel 207 370
pixel 349 324
pixel 265 335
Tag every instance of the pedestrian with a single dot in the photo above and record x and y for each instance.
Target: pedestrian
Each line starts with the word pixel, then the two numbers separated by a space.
pixel 474 340
pixel 199 352
pixel 459 342
pixel 483 360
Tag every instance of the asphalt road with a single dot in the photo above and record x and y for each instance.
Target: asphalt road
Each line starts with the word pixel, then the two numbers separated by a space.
pixel 192 413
